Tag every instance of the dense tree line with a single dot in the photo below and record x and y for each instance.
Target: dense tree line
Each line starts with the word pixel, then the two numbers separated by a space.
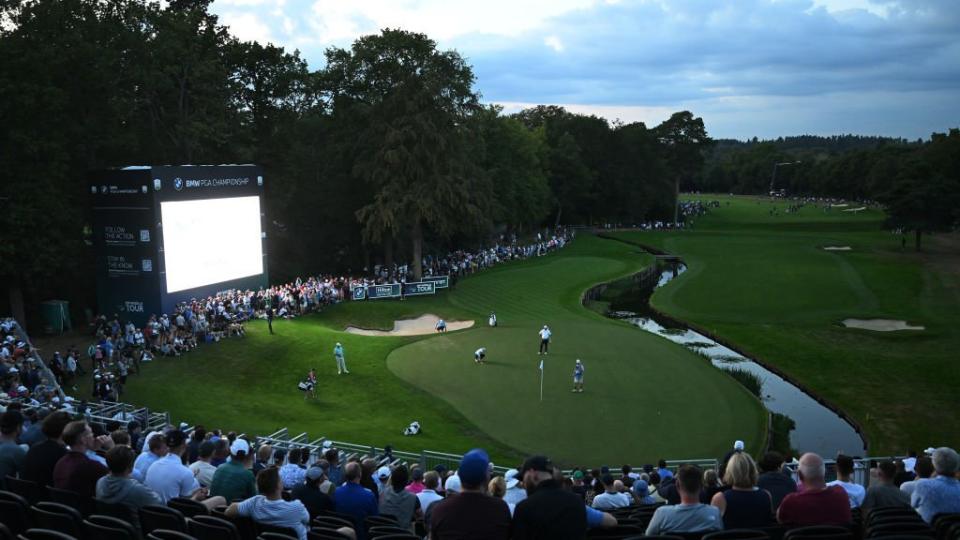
pixel 383 154
pixel 918 182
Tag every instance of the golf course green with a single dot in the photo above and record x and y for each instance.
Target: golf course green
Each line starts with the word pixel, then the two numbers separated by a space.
pixel 764 283
pixel 645 397
pixel 758 281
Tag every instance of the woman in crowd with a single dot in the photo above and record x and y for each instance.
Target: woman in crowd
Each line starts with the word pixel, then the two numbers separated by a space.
pixel 744 505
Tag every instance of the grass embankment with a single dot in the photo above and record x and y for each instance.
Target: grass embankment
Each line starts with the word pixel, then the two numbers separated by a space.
pixel 764 283
pixel 645 397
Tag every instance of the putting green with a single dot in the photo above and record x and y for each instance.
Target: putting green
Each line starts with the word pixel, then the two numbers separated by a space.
pixel 763 283
pixel 644 397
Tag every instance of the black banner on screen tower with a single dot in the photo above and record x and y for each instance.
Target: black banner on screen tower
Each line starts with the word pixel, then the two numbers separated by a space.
pixel 169 234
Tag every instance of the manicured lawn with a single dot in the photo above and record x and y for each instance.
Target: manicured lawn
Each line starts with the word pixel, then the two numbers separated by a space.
pixel 645 398
pixel 763 283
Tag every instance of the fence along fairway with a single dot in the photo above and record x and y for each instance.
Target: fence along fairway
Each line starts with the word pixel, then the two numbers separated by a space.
pixel 764 283
pixel 644 397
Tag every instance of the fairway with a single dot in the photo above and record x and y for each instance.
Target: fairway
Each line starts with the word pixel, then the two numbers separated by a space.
pixel 645 398
pixel 765 284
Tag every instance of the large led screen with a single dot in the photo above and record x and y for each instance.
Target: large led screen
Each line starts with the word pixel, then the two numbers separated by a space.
pixel 211 241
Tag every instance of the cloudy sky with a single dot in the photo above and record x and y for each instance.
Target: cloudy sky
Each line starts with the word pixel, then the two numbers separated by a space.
pixel 749 67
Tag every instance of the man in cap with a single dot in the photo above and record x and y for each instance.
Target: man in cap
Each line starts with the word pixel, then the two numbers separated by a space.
pixel 550 512
pixel 233 480
pixel 310 494
pixel 471 513
pixel 382 478
pixel 341 362
pixel 544 339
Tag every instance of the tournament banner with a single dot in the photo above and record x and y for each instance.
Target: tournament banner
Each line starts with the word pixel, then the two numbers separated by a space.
pixel 390 290
pixel 418 288
pixel 441 282
pixel 359 293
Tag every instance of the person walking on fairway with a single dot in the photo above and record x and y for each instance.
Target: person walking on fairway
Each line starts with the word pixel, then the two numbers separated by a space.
pixel 270 320
pixel 493 319
pixel 341 363
pixel 544 339
pixel 480 355
pixel 578 376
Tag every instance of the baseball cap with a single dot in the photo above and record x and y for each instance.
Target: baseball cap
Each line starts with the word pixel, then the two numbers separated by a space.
pixel 315 473
pixel 536 463
pixel 738 446
pixel 240 446
pixel 452 485
pixel 641 487
pixel 511 478
pixel 383 472
pixel 473 467
pixel 578 475
pixel 175 438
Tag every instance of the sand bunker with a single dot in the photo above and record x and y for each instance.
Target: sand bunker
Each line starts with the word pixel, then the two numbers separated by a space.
pixel 855 210
pixel 422 325
pixel 837 248
pixel 880 325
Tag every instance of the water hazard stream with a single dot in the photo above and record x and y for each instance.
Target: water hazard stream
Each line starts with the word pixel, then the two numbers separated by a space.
pixel 818 428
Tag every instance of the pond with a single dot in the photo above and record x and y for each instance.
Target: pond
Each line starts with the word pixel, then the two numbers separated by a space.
pixel 818 428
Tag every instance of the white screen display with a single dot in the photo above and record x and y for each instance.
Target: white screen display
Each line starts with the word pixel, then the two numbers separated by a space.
pixel 211 241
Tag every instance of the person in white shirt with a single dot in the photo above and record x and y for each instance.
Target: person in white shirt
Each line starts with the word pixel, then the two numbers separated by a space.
pixel 611 498
pixel 479 355
pixel 544 339
pixel 515 492
pixel 170 478
pixel 493 319
pixel 855 491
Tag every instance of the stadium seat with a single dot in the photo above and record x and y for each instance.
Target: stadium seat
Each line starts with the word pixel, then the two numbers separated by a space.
pixel 407 536
pixel 110 521
pixel 85 505
pixel 737 534
pixel 911 528
pixel 953 533
pixel 617 531
pixel 93 529
pixel 57 517
pixel 888 511
pixel 276 536
pixel 819 532
pixel 326 533
pixel 6 533
pixel 884 520
pixel 44 534
pixel 167 534
pixel 161 517
pixel 117 510
pixel 667 537
pixel 372 521
pixel 386 529
pixel 212 528
pixel 262 528
pixel 332 522
pixel 31 491
pixel 943 522
pixel 188 507
pixel 13 511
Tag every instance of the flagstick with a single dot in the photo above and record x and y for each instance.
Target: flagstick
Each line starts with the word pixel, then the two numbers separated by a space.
pixel 541 380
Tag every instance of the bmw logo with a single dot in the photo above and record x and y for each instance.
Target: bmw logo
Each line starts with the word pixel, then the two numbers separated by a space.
pixel 103 189
pixel 178 184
